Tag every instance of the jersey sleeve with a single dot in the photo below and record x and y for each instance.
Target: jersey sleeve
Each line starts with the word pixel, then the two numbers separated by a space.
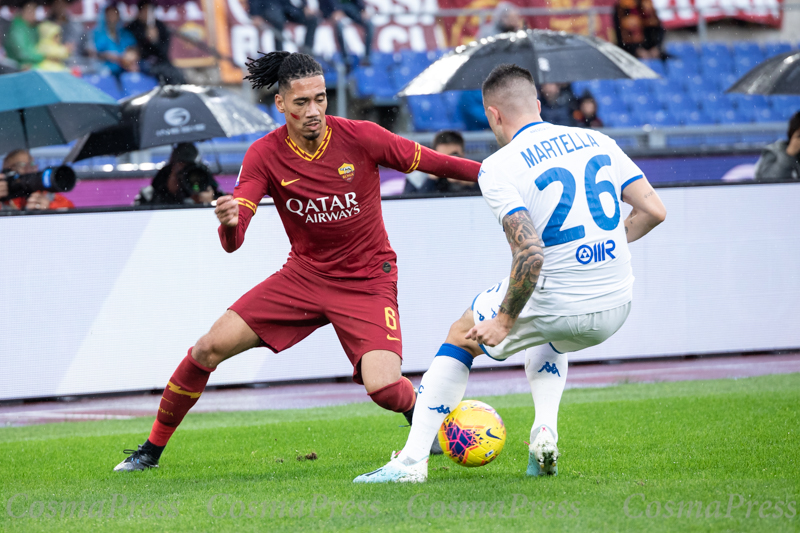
pixel 627 170
pixel 502 197
pixel 399 153
pixel 251 186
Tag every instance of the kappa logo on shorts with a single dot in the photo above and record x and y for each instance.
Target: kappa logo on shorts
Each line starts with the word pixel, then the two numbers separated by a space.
pixel 347 171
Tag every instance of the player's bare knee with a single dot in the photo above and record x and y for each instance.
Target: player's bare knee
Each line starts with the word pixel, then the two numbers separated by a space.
pixel 205 352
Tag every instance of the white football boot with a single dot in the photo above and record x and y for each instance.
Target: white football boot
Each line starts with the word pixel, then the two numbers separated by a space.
pixel 396 471
pixel 543 458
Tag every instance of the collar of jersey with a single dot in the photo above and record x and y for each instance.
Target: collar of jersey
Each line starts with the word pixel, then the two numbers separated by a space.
pixel 525 128
pixel 316 155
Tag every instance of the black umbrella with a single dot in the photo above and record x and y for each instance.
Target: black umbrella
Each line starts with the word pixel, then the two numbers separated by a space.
pixel 776 75
pixel 173 114
pixel 551 56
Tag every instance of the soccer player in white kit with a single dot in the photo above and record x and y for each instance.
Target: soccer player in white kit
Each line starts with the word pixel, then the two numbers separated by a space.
pixel 556 191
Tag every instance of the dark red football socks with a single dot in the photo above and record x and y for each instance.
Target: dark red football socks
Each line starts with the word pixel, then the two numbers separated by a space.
pixel 182 392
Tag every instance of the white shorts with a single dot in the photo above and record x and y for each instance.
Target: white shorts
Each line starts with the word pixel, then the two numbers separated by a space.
pixel 564 333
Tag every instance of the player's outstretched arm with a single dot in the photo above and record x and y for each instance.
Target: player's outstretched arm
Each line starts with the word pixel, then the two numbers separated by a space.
pixel 402 154
pixel 526 264
pixel 648 210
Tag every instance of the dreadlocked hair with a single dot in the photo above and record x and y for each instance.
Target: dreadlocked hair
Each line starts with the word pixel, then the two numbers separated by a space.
pixel 280 68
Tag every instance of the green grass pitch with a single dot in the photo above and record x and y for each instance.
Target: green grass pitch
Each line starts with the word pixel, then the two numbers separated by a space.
pixel 634 458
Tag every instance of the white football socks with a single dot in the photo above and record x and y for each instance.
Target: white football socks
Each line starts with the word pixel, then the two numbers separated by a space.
pixel 441 390
pixel 546 370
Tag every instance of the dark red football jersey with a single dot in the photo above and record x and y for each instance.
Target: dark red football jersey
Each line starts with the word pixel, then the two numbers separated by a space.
pixel 330 201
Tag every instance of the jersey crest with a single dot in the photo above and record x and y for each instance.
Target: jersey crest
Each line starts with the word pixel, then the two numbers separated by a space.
pixel 347 171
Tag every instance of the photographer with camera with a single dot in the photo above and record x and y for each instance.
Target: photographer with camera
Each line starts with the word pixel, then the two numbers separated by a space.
pixel 23 187
pixel 182 180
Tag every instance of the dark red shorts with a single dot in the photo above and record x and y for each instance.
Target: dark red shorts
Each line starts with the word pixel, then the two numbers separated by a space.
pixel 292 303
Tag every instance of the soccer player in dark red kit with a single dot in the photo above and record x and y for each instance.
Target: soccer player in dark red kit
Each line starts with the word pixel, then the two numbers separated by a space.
pixel 322 173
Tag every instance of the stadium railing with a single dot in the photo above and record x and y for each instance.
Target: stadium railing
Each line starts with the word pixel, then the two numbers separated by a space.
pixel 225 157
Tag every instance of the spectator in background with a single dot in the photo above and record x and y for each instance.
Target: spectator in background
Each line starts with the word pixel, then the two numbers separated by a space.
pixel 21 162
pixel 20 42
pixel 506 17
pixel 55 53
pixel 558 103
pixel 446 142
pixel 73 34
pixel 277 13
pixel 166 187
pixel 586 114
pixel 153 39
pixel 781 159
pixel 114 44
pixel 639 31
pixel 356 10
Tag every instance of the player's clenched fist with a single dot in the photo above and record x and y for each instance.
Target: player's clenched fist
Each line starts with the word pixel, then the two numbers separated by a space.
pixel 227 211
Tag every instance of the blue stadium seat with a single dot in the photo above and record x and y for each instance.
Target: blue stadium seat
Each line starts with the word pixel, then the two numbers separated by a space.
pixel 716 65
pixel 696 118
pixel 668 86
pixel 644 104
pixel 621 120
pixel 776 47
pixel 662 119
pixel 656 65
pixel 726 81
pixel 684 50
pixel 784 106
pixel 702 85
pixel 580 87
pixel 681 105
pixel 743 65
pixel 716 103
pixel 748 49
pixel 366 81
pixel 643 86
pixel 766 115
pixel 451 100
pixel 624 87
pixel 745 114
pixel 752 101
pixel 611 104
pixel 680 70
pixel 717 50
pixel 402 74
pixel 107 84
pixel 602 87
pixel 381 60
pixel 428 113
pixel 136 83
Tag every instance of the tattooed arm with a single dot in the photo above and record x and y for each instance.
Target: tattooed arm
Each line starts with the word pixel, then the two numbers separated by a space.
pixel 648 211
pixel 528 257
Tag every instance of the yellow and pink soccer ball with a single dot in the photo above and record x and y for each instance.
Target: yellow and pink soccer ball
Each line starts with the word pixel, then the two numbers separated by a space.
pixel 473 434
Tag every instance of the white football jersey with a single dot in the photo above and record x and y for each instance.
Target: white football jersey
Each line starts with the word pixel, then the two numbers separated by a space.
pixel 571 182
